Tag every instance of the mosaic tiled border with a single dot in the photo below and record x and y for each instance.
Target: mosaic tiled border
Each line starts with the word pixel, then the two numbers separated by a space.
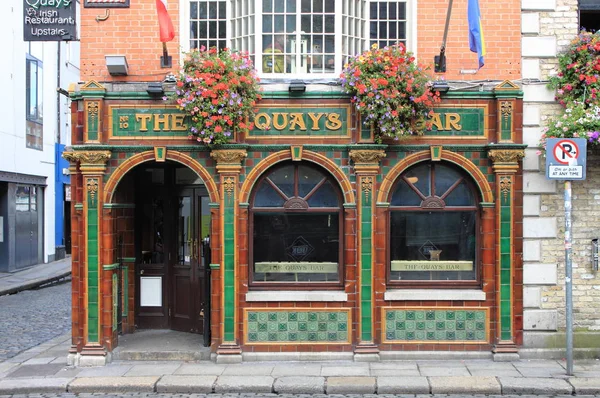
pixel 263 326
pixel 448 325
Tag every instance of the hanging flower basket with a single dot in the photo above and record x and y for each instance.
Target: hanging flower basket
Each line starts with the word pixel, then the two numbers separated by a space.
pixel 577 85
pixel 391 92
pixel 218 90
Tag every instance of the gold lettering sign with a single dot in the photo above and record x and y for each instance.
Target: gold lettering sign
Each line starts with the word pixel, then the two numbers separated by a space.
pixel 398 265
pixel 306 268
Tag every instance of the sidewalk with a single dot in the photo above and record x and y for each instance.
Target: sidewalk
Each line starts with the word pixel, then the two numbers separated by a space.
pixel 34 276
pixel 43 369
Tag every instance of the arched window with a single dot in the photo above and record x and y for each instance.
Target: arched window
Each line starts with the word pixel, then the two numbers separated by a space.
pixel 296 228
pixel 433 228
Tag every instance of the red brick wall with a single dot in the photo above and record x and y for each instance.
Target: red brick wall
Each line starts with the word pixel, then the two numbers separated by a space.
pixel 133 32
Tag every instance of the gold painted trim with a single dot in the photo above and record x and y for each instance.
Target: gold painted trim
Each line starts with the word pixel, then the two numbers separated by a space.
pixel 307 136
pixel 506 85
pixel 348 312
pixel 435 148
pixel 163 158
pixel 486 131
pixel 295 148
pixel 506 110
pixel 434 342
pixel 91 85
pixel 110 131
pixel 92 108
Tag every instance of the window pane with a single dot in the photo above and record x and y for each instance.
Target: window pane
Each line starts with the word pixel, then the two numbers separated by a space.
pixel 325 196
pixel 420 178
pixel 33 199
pixel 267 5
pixel 283 178
pixel 444 178
pixel 405 196
pixel 291 6
pixel 307 179
pixel 433 246
pixel 307 244
pixel 22 198
pixel 460 196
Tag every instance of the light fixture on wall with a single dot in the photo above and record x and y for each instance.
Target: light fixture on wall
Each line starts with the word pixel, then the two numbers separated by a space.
pixel 440 86
pixel 155 88
pixel 297 86
pixel 116 65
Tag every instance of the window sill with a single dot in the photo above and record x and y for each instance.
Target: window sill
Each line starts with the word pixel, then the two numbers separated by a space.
pixel 434 294
pixel 295 295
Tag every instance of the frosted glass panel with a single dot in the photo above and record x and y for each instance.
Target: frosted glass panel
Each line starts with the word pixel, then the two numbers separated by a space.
pixel 151 291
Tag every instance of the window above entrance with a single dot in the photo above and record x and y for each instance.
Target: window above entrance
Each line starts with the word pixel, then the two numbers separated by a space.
pixel 296 223
pixel 433 228
pixel 298 38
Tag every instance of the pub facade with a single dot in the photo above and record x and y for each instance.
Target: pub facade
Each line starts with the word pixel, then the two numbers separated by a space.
pixel 303 238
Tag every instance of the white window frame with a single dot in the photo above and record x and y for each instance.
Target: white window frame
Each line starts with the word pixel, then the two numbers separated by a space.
pixel 361 16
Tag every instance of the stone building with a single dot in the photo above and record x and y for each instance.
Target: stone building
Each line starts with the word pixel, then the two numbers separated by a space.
pixel 548 27
pixel 288 245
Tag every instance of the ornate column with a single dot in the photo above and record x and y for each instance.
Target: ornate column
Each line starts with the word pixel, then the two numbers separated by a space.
pixel 229 166
pixel 92 165
pixel 366 168
pixel 505 166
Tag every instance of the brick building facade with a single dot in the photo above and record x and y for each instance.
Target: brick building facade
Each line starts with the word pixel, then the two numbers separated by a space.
pixel 280 244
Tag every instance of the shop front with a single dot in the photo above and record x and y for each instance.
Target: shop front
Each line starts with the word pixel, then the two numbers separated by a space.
pixel 302 238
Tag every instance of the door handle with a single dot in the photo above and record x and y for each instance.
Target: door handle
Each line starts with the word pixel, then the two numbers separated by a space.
pixel 141 272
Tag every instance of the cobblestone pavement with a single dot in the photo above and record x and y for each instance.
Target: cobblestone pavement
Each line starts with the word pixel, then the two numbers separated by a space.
pixel 249 395
pixel 32 317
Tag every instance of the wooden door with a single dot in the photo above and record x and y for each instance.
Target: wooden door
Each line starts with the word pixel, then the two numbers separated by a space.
pixel 188 268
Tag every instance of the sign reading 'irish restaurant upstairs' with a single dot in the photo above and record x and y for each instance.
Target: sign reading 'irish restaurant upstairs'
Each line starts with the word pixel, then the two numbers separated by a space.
pixel 165 122
pixel 49 20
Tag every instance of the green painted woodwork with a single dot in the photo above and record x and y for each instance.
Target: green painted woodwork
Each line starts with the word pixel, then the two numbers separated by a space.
pixel 458 122
pixel 506 128
pixel 92 269
pixel 92 121
pixel 229 200
pixel 366 261
pixel 506 254
pixel 301 121
pixel 163 122
pixel 435 325
pixel 297 327
pixel 115 301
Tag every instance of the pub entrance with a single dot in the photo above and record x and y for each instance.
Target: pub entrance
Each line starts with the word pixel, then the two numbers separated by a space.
pixel 172 220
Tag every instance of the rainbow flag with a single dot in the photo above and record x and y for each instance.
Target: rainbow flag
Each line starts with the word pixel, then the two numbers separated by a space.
pixel 476 41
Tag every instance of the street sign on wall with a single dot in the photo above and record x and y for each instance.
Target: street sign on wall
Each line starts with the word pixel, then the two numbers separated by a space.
pixel 49 20
pixel 565 158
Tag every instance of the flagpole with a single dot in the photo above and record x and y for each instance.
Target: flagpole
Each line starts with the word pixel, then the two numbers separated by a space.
pixel 165 60
pixel 440 61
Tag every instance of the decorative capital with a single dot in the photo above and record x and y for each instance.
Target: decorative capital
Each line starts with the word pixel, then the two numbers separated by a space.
pixel 506 108
pixel 367 160
pixel 506 160
pixel 229 159
pixel 91 162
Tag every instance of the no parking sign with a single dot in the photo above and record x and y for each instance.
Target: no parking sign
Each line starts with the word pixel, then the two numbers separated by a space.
pixel 565 158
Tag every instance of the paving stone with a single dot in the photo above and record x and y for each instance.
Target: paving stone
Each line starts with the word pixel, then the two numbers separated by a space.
pixel 296 370
pixel 113 384
pixel 200 369
pixel 109 370
pixel 495 372
pixel 152 370
pixel 244 384
pixel 345 371
pixel 443 371
pixel 531 385
pixel 299 385
pixel 38 361
pixel 246 369
pixel 186 384
pixel 36 370
pixel 351 385
pixel 586 385
pixel 464 385
pixel 34 385
pixel 394 365
pixel 397 373
pixel 402 385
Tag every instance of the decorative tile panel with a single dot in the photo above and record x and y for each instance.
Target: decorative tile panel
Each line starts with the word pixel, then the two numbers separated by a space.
pixel 436 325
pixel 296 326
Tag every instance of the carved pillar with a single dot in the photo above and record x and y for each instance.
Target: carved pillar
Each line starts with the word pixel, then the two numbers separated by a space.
pixel 505 165
pixel 92 165
pixel 366 168
pixel 229 166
